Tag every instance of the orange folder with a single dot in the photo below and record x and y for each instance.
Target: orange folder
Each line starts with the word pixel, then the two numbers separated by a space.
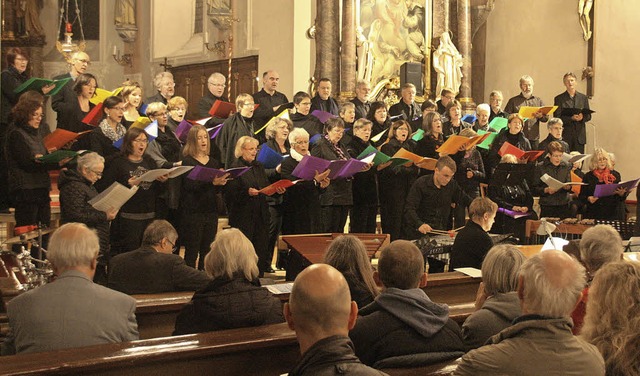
pixel 60 137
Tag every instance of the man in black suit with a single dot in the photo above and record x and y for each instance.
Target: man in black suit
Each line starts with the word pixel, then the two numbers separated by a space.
pixel 153 268
pixel 363 88
pixel 322 100
pixel 166 87
pixel 575 133
pixel 79 63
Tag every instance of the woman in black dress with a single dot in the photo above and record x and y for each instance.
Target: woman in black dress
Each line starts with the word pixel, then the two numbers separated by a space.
pixel 365 186
pixel 336 200
pixel 301 206
pixel 136 214
pixel 396 181
pixel 247 207
pixel 198 203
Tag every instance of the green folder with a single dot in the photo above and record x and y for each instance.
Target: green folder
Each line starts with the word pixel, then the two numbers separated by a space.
pixel 35 83
pixel 498 123
pixel 57 156
pixel 381 157
pixel 418 135
pixel 486 144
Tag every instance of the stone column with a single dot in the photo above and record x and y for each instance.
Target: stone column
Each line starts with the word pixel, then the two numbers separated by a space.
pixel 328 42
pixel 464 46
pixel 348 51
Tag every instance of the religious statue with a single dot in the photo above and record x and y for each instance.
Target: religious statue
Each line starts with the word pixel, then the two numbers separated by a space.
pixel 125 19
pixel 28 18
pixel 584 8
pixel 447 62
pixel 220 13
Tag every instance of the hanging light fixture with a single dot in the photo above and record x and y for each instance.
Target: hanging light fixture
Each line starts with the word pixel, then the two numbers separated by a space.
pixel 68 47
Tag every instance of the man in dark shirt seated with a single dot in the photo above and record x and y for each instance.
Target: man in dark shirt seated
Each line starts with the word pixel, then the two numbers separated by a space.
pixel 429 200
pixel 153 268
pixel 403 327
pixel 472 242
pixel 321 312
pixel 322 100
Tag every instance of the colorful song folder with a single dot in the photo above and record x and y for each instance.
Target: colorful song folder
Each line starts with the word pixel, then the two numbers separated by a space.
pixel 60 137
pixel 208 174
pixel 36 83
pixel 283 183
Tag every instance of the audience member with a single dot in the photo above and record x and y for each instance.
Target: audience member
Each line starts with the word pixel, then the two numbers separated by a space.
pixel 363 88
pixel 215 92
pixel 153 268
pixel 526 98
pixel 322 313
pixel 599 246
pixel 76 189
pixel 497 303
pixel 71 311
pixel 323 101
pixel 349 256
pixel 472 242
pixel 234 298
pixel 575 133
pixel 165 87
pixel 612 323
pixel 403 327
pixel 540 341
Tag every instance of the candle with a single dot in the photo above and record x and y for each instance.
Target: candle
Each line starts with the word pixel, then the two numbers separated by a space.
pixel 68 27
pixel 115 51
pixel 206 38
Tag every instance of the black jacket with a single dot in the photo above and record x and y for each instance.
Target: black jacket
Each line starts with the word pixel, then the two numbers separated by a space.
pixel 198 196
pixel 245 210
pixel 301 205
pixel 267 102
pixel 339 192
pixel 365 190
pixel 330 105
pixel 362 109
pixel 410 111
pixel 11 79
pixel 562 173
pixel 510 185
pixel 605 207
pixel 157 97
pixel 23 144
pixel 75 193
pixel 332 356
pixel 233 128
pixel 228 304
pixel 544 144
pixel 308 122
pixel 471 245
pixel 205 103
pixel 147 271
pixel 70 115
pixel 573 129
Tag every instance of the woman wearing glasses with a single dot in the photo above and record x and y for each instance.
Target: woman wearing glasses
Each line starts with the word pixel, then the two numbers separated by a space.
pixel 76 189
pixel 136 214
pixel 71 113
pixel 109 130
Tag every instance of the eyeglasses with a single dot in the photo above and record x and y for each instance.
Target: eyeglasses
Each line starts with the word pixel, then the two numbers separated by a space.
pixel 98 173
pixel 118 108
pixel 37 116
pixel 217 85
pixel 173 245
pixel 141 140
pixel 305 104
pixel 159 114
pixel 84 61
pixel 303 142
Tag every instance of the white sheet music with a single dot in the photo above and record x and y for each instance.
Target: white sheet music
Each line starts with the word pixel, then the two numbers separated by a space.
pixel 280 288
pixel 152 175
pixel 113 197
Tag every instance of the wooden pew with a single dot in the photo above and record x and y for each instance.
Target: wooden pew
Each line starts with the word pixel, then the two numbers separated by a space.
pixel 265 350
pixel 156 313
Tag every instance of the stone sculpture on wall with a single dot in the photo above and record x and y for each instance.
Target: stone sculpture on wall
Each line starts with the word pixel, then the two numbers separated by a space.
pixel 447 62
pixel 125 20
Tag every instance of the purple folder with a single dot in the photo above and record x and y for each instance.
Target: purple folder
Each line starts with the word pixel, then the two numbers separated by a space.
pixel 513 214
pixel 214 131
pixel 604 190
pixel 340 169
pixel 208 174
pixel 323 116
pixel 183 130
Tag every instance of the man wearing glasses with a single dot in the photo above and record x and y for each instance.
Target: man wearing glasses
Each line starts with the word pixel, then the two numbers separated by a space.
pixel 153 268
pixel 215 85
pixel 80 61
pixel 166 87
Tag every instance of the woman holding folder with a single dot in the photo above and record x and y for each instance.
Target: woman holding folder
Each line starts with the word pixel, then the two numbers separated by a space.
pixel 396 181
pixel 379 117
pixel 433 137
pixel 513 134
pixel 71 114
pixel 137 213
pixel 109 130
pixel 302 201
pixel 365 186
pixel 198 199
pixel 601 172
pixel 248 208
pixel 336 200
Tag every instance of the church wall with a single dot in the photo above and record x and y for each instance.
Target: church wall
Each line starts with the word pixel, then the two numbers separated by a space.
pixel 544 40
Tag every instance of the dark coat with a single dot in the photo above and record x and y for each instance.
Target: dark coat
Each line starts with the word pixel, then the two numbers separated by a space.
pixel 359 291
pixel 471 245
pixel 519 141
pixel 233 128
pixel 362 109
pixel 301 205
pixel 23 143
pixel 228 304
pixel 332 356
pixel 339 192
pixel 75 193
pixel 70 115
pixel 474 164
pixel 330 105
pixel 65 95
pixel 544 144
pixel 11 79
pixel 308 122
pixel 157 97
pixel 365 190
pixel 428 145
pixel 246 211
pixel 198 196
pixel 605 207
pixel 205 103
pixel 562 173
pixel 573 130
pixel 448 129
pixel 147 271
pixel 410 111
pixel 102 145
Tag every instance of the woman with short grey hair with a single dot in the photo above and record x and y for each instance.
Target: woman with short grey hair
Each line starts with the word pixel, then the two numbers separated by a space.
pixel 234 299
pixel 497 302
pixel 76 189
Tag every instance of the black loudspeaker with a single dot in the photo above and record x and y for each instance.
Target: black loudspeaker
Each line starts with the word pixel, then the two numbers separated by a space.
pixel 412 73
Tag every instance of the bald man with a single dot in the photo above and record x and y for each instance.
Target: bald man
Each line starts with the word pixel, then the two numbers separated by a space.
pixel 321 312
pixel 271 101
pixel 403 327
pixel 79 63
pixel 540 341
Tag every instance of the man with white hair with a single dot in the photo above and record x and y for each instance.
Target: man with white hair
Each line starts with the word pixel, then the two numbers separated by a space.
pixel 166 87
pixel 540 341
pixel 215 92
pixel 363 88
pixel 531 127
pixel 71 311
pixel 79 63
pixel 321 312
pixel 555 128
